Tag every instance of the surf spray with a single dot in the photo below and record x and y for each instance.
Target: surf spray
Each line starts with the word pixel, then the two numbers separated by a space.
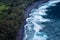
pixel 34 22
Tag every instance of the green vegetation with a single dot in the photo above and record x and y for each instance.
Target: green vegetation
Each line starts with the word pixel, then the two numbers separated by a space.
pixel 12 17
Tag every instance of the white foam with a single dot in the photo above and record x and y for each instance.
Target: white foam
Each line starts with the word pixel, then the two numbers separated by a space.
pixel 37 16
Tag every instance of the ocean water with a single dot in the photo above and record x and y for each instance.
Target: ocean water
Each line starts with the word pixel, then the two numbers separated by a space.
pixel 43 23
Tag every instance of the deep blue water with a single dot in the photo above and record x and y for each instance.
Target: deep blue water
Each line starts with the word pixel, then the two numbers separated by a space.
pixel 54 12
pixel 53 28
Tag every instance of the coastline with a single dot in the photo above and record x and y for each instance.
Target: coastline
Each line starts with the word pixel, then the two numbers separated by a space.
pixel 20 33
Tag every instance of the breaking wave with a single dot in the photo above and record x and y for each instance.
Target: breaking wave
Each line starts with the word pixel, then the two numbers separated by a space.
pixel 34 22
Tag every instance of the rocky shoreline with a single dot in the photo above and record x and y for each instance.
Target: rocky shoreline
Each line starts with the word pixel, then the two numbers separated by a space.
pixel 27 11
